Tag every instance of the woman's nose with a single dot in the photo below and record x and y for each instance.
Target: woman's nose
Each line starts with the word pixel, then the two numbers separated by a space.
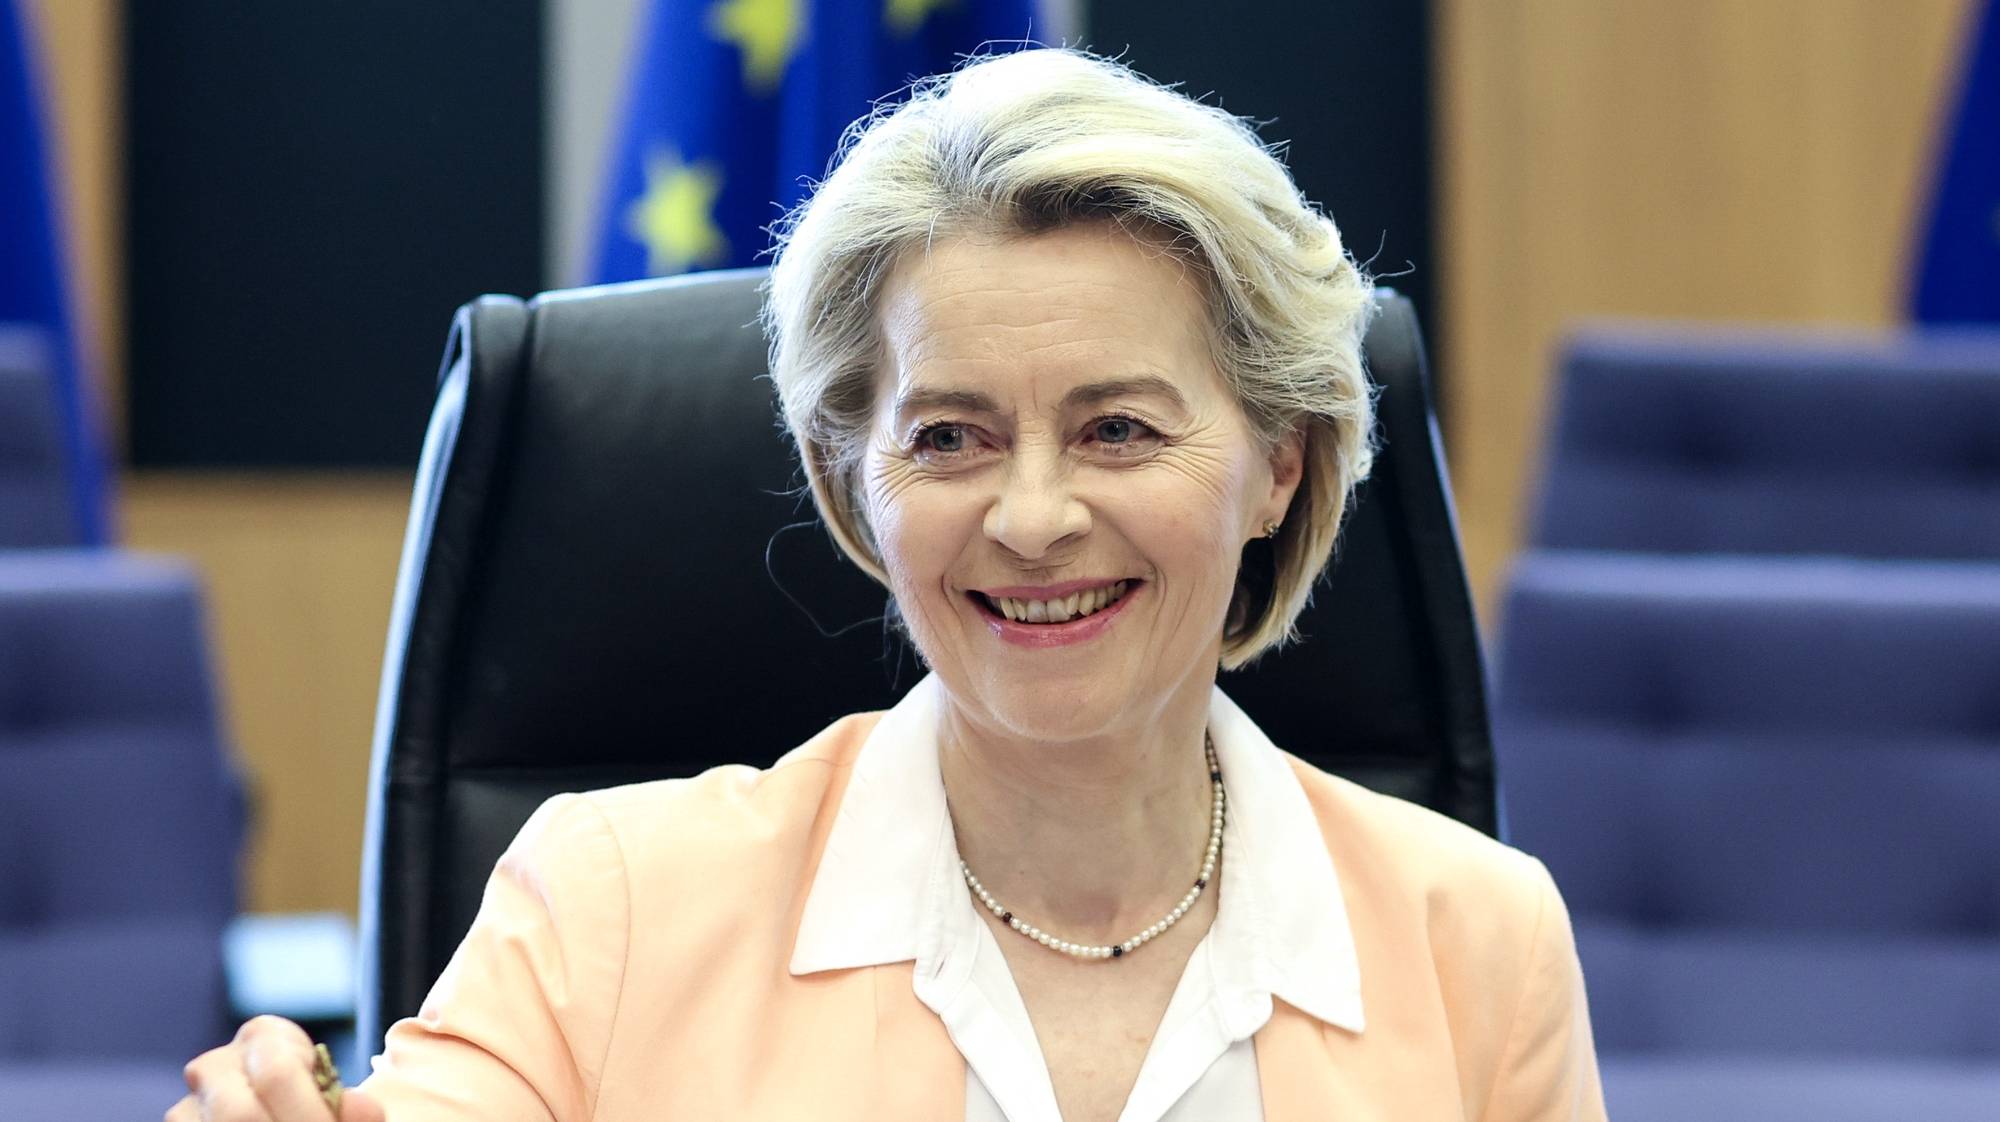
pixel 1035 511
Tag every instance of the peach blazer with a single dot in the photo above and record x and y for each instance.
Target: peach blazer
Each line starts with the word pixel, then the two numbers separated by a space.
pixel 629 962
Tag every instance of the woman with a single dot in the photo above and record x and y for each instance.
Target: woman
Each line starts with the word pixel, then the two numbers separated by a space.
pixel 1056 344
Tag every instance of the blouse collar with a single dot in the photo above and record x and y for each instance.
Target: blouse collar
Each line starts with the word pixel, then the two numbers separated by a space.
pixel 889 872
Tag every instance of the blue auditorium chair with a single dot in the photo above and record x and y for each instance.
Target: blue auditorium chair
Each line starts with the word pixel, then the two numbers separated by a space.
pixel 36 507
pixel 1667 442
pixel 1770 791
pixel 121 821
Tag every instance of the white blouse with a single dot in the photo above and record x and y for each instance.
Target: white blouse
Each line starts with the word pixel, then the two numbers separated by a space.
pixel 888 890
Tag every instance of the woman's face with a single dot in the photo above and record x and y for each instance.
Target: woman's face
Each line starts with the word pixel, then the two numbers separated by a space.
pixel 1052 441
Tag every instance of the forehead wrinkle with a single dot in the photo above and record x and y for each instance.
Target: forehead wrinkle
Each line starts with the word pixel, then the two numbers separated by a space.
pixel 1053 346
pixel 1074 301
pixel 931 280
pixel 945 277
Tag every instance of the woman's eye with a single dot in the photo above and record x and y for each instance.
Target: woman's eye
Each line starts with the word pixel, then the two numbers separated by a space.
pixel 946 443
pixel 944 438
pixel 1121 435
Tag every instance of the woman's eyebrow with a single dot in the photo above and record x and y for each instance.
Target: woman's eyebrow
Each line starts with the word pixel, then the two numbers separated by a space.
pixel 929 399
pixel 1136 385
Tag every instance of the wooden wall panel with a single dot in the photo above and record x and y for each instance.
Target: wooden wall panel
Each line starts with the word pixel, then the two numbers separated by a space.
pixel 1739 160
pixel 299 573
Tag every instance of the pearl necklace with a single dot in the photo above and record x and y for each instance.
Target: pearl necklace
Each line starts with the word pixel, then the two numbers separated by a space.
pixel 1120 950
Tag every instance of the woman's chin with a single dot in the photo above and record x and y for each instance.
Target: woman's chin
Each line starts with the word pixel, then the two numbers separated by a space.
pixel 1056 708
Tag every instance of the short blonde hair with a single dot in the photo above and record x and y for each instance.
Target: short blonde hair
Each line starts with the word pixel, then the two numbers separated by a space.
pixel 1039 139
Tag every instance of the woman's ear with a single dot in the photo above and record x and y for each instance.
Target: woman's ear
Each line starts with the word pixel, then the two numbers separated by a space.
pixel 1288 465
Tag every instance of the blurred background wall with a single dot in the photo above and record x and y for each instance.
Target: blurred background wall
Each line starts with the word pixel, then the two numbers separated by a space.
pixel 1755 162
pixel 1712 159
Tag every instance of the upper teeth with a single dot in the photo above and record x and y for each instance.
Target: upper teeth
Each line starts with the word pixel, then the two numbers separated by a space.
pixel 1073 606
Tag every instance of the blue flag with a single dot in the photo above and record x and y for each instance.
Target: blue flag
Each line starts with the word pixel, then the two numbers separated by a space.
pixel 1958 280
pixel 736 104
pixel 32 274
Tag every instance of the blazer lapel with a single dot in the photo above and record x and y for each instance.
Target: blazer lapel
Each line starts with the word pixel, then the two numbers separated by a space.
pixel 1310 1070
pixel 1300 1074
pixel 1295 1071
pixel 919 1074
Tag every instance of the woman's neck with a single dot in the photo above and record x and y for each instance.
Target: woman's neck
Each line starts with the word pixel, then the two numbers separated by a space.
pixel 1090 836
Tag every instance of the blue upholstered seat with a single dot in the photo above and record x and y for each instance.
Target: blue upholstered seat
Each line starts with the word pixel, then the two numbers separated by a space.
pixel 120 817
pixel 1770 791
pixel 1764 443
pixel 1682 1089
pixel 87 1091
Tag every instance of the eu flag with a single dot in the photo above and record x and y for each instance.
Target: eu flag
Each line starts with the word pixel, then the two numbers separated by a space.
pixel 31 269
pixel 1959 278
pixel 736 104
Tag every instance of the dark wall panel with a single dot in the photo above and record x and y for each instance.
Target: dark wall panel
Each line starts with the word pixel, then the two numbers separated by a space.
pixel 1346 82
pixel 312 188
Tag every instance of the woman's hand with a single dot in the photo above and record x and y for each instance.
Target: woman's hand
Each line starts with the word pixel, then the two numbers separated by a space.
pixel 264 1075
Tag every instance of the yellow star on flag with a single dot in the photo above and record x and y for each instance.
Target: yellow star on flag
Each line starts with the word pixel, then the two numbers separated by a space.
pixel 675 218
pixel 767 31
pixel 908 15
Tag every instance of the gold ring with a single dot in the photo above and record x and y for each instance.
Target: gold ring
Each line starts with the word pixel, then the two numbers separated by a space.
pixel 327 1078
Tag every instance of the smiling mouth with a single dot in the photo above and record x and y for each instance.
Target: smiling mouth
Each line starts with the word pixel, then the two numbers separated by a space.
pixel 1067 609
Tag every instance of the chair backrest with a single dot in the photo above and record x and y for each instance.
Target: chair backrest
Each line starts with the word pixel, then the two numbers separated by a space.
pixel 37 508
pixel 1770 792
pixel 121 818
pixel 1680 442
pixel 609 540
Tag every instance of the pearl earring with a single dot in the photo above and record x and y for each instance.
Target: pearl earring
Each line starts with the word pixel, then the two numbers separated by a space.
pixel 1270 529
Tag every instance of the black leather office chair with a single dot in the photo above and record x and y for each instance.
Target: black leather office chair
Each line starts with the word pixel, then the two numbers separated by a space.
pixel 612 574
